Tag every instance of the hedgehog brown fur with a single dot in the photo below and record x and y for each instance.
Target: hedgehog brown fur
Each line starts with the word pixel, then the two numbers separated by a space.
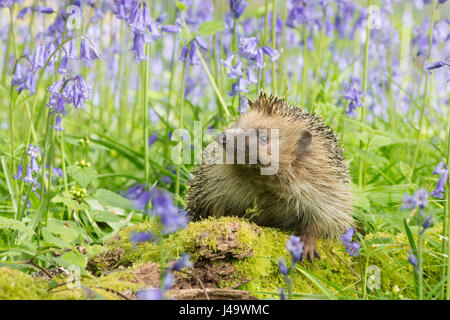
pixel 310 194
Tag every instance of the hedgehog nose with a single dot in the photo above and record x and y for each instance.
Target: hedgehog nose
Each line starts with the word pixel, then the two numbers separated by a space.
pixel 221 138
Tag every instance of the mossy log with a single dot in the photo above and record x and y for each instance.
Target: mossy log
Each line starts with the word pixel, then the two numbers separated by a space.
pixel 233 259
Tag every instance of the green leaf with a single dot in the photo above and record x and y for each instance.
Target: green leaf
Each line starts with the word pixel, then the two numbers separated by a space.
pixel 82 175
pixel 113 199
pixel 211 27
pixel 15 225
pixel 410 237
pixel 180 5
pixel 94 250
pixel 318 283
pixel 66 199
pixel 75 258
pixel 9 183
pixel 106 216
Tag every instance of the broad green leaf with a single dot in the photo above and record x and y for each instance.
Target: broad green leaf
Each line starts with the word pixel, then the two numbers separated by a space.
pixel 6 223
pixel 113 199
pixel 211 27
pixel 95 250
pixel 317 282
pixel 9 183
pixel 82 175
pixel 75 258
pixel 106 216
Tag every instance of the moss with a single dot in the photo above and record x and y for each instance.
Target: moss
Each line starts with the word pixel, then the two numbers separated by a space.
pixel 253 252
pixel 335 269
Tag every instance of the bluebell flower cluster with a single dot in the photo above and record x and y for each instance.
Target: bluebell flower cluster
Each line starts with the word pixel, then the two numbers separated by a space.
pixel 419 199
pixel 354 95
pixel 30 178
pixel 442 171
pixel 352 247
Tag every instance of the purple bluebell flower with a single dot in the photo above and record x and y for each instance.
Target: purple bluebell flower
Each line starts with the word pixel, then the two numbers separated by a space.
pixel 171 28
pixel 260 59
pixel 193 54
pixel 184 262
pixel 139 46
pixel 348 235
pixel 427 223
pixel 272 53
pixel 236 70
pixel 435 65
pixel 88 51
pixel 251 76
pixel 421 196
pixel 58 123
pixel 38 58
pixel 150 294
pixel 353 94
pixel 295 247
pixel 6 3
pixel 282 294
pixel 440 185
pixel 228 61
pixel 238 86
pixel 33 151
pixel 409 202
pixel 297 14
pixel 282 267
pixel 19 173
pixel 248 47
pixel 62 69
pixel 352 247
pixel 24 78
pixel 78 92
pixel 171 217
pixel 412 259
pixel 201 43
pixel 237 8
pixel 152 139
pixel 139 237
pixel 168 280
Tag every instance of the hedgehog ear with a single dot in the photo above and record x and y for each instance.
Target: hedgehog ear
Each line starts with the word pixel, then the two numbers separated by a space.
pixel 304 142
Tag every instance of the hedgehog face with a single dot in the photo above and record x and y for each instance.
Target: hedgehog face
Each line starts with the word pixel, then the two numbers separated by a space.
pixel 266 142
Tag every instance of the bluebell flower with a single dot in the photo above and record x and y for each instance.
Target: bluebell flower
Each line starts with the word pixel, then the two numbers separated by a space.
pixel 440 186
pixel 184 262
pixel 33 151
pixel 282 267
pixel 236 70
pixel 421 196
pixel 282 294
pixel 171 28
pixel 168 280
pixel 171 217
pixel 237 8
pixel 228 61
pixel 260 59
pixel 354 95
pixel 139 237
pixel 412 259
pixel 251 76
pixel 427 223
pixel 24 78
pixel 150 294
pixel 6 3
pixel 352 247
pixel 297 14
pixel 152 139
pixel 272 53
pixel 139 46
pixel 248 47
pixel 19 173
pixel 435 65
pixel 295 247
pixel 58 123
pixel 88 51
pixel 409 202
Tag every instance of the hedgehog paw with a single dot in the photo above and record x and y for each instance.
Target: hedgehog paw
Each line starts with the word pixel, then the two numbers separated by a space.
pixel 309 249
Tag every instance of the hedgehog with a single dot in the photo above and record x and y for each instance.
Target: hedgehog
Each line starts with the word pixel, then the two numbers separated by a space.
pixel 310 193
